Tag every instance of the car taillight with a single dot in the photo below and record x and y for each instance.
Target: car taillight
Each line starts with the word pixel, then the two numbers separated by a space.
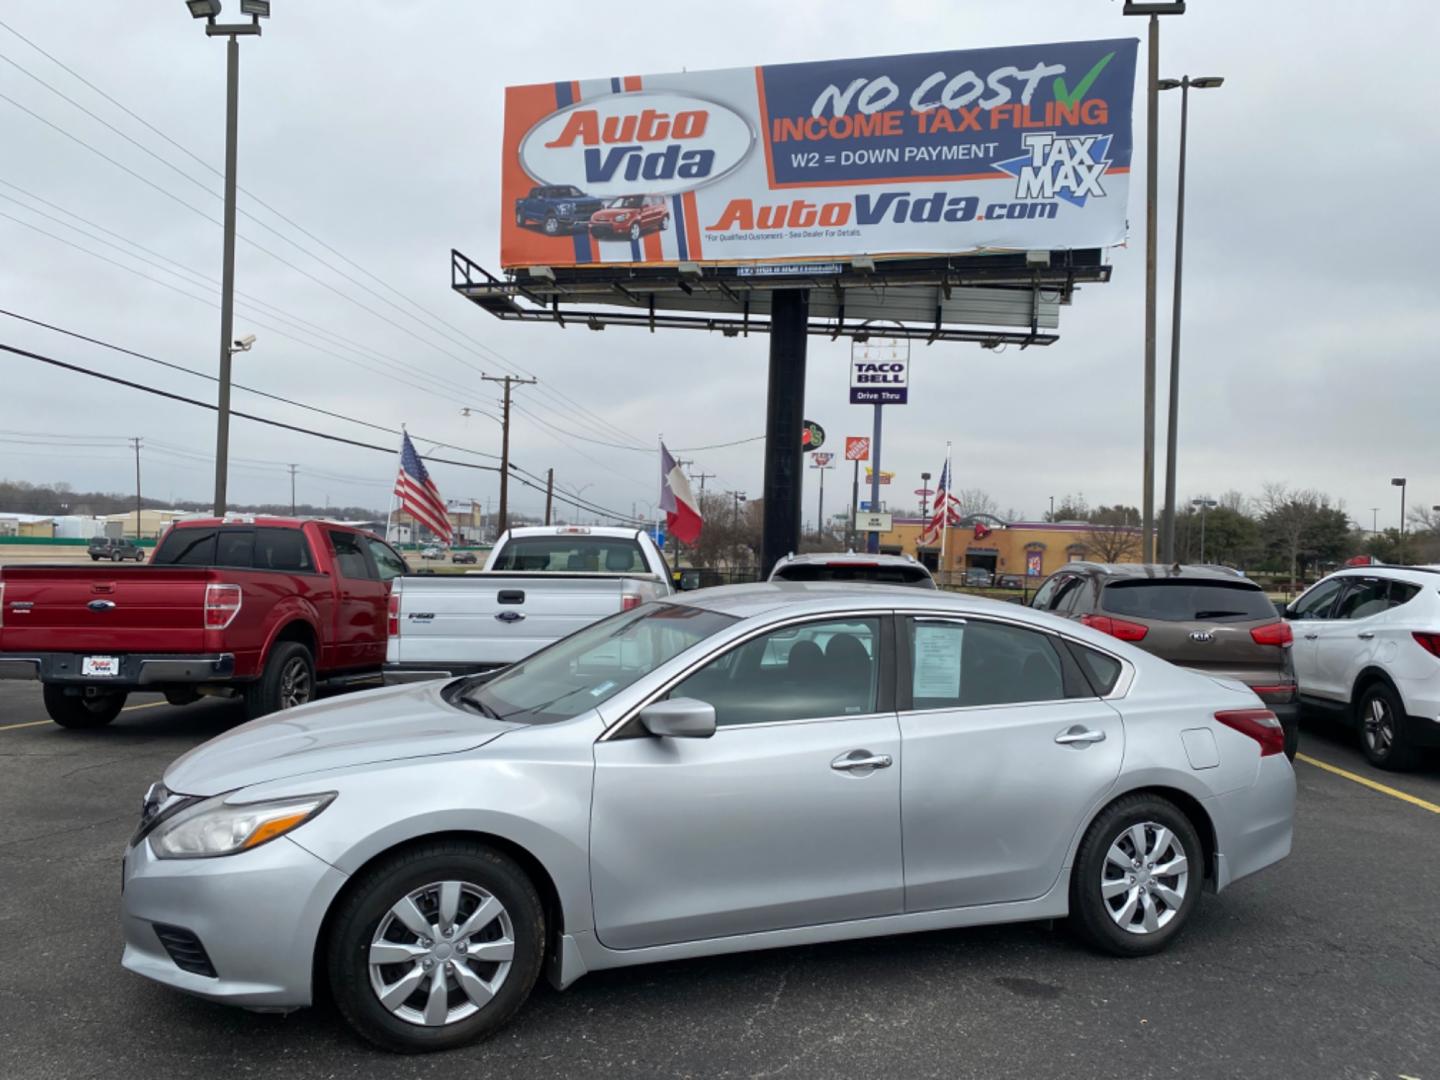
pixel 1260 724
pixel 630 601
pixel 1275 633
pixel 1427 640
pixel 392 615
pixel 1119 628
pixel 222 604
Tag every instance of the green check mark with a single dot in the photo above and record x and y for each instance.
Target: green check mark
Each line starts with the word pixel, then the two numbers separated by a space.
pixel 1062 92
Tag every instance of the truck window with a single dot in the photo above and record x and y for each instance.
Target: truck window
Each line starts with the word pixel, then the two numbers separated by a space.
pixel 235 547
pixel 350 557
pixel 186 547
pixel 573 554
pixel 387 562
pixel 283 549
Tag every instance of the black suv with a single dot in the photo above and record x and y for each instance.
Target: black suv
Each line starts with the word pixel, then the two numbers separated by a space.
pixel 1207 618
pixel 115 549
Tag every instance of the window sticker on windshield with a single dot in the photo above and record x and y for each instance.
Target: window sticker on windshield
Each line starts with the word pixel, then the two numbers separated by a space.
pixel 602 688
pixel 937 661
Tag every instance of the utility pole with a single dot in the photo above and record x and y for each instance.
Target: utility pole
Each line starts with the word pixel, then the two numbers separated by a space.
pixel 503 521
pixel 549 493
pixel 702 477
pixel 136 442
pixel 292 489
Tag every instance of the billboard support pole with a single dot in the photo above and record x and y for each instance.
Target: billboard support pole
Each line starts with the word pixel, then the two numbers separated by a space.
pixel 820 511
pixel 1152 164
pixel 872 540
pixel 784 423
pixel 854 504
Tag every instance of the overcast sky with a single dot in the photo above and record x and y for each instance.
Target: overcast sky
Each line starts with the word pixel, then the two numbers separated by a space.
pixel 1309 354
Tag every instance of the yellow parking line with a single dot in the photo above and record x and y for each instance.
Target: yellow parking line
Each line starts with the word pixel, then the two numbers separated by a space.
pixel 38 723
pixel 1392 792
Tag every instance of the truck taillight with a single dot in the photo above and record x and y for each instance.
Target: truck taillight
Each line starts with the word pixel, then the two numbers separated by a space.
pixel 1260 724
pixel 1118 628
pixel 1275 633
pixel 630 601
pixel 392 615
pixel 2 603
pixel 222 604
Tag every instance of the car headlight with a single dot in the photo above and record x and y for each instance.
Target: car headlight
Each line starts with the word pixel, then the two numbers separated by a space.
pixel 216 827
pixel 567 207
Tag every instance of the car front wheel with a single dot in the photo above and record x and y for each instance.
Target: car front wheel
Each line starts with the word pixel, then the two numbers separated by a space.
pixel 635 231
pixel 436 947
pixel 552 225
pixel 1137 877
pixel 1382 729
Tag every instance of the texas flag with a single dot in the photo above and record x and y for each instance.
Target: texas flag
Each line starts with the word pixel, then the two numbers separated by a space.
pixel 682 512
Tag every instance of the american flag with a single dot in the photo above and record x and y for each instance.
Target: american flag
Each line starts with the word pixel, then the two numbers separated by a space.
pixel 418 493
pixel 946 511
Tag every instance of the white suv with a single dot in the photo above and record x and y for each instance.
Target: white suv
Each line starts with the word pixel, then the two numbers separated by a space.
pixel 1367 641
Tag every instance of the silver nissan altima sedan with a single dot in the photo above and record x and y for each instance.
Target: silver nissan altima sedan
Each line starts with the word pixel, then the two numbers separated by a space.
pixel 741 768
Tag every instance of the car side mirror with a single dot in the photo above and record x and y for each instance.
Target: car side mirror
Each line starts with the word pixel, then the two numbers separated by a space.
pixel 679 718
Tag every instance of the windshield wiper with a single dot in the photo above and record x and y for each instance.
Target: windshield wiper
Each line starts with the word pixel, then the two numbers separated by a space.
pixel 1216 614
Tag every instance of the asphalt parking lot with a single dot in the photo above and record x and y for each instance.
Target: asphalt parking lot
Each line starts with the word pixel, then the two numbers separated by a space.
pixel 1327 965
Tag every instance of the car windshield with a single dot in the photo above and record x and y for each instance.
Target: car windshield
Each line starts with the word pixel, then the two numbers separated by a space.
pixel 587 668
pixel 880 573
pixel 581 553
pixel 625 202
pixel 1179 600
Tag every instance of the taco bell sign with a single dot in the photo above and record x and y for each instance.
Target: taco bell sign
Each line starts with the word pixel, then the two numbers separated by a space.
pixel 879 379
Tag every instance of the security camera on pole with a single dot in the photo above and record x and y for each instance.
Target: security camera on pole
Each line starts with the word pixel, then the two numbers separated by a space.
pixel 879 375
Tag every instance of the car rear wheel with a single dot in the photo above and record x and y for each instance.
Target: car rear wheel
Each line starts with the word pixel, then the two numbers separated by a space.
pixel 552 225
pixel 1137 876
pixel 81 712
pixel 635 231
pixel 288 680
pixel 436 947
pixel 520 218
pixel 1382 729
pixel 665 223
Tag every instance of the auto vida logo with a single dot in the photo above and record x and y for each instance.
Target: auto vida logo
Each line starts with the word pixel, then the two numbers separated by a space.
pixel 643 143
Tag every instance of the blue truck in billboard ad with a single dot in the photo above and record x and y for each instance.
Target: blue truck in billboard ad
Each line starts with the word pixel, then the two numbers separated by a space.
pixel 1024 147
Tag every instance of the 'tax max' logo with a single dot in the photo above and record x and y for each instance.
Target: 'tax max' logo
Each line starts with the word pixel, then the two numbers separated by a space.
pixel 1068 167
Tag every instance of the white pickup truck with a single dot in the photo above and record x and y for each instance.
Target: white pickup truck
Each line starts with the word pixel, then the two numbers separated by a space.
pixel 538 585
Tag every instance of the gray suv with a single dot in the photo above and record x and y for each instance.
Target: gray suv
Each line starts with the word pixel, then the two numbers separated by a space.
pixel 115 549
pixel 1209 618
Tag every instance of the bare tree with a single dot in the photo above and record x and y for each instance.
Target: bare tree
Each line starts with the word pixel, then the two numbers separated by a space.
pixel 1235 500
pixel 1112 544
pixel 976 501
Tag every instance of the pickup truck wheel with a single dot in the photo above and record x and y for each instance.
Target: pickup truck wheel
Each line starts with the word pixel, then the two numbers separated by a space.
pixel 289 680
pixel 520 218
pixel 80 712
pixel 552 225
pixel 635 231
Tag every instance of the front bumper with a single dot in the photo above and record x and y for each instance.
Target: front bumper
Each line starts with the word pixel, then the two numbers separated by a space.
pixel 136 669
pixel 257 914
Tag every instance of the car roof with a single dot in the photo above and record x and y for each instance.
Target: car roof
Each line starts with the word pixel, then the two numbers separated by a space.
pixel 1416 575
pixel 801 597
pixel 1156 571
pixel 846 558
pixel 602 531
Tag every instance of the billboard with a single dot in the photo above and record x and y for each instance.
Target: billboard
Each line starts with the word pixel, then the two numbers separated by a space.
pixel 1019 148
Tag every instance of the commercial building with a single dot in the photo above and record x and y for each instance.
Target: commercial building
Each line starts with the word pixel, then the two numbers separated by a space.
pixel 1032 549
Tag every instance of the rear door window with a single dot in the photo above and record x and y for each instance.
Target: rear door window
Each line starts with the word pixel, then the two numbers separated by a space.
pixel 1182 600
pixel 235 547
pixel 350 556
pixel 1103 671
pixel 283 549
pixel 1364 597
pixel 959 664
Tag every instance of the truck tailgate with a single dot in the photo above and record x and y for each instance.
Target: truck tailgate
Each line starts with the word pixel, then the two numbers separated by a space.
pixel 107 609
pixel 496 618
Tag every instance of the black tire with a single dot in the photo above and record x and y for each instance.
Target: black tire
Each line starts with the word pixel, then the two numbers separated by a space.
pixel 552 225
pixel 665 223
pixel 79 712
pixel 1090 912
pixel 278 687
pixel 1384 738
pixel 357 919
pixel 635 231
pixel 116 557
pixel 94 558
pixel 1292 737
pixel 182 695
pixel 520 218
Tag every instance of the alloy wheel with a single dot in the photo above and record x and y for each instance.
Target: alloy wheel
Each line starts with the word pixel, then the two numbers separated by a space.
pixel 1378 726
pixel 1145 877
pixel 295 683
pixel 441 953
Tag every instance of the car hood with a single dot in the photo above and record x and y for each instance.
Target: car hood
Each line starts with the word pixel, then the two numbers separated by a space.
pixel 397 722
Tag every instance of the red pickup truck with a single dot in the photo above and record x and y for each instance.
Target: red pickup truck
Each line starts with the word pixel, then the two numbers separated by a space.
pixel 257 608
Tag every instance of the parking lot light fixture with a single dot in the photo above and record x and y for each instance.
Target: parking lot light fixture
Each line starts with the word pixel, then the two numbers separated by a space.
pixel 1203 504
pixel 203 9
pixel 1183 84
pixel 1399 481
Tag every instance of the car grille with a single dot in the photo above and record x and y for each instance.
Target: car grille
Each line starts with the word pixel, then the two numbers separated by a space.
pixel 185 949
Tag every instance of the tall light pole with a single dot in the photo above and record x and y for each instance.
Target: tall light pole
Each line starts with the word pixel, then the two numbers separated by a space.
pixel 209 10
pixel 1203 504
pixel 1152 154
pixel 1374 520
pixel 1399 481
pixel 1184 84
pixel 924 498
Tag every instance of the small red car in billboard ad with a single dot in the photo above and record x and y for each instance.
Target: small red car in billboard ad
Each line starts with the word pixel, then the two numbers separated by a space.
pixel 630 216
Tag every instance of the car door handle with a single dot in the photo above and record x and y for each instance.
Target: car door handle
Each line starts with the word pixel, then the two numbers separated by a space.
pixel 1080 735
pixel 1365 635
pixel 861 759
pixel 1311 637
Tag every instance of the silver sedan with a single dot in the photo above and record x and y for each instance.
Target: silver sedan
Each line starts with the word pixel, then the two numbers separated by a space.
pixel 743 768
